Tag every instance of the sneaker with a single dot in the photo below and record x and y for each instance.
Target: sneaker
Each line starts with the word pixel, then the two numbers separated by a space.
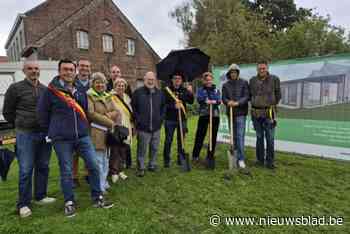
pixel 241 164
pixel 69 209
pixel 45 200
pixel 25 212
pixel 140 173
pixel 123 176
pixel 102 203
pixel 115 178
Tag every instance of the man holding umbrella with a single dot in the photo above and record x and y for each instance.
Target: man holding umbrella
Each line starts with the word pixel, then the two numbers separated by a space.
pixel 176 97
pixel 235 96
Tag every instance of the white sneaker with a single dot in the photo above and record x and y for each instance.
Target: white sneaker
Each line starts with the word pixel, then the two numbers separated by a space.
pixel 45 200
pixel 115 178
pixel 123 176
pixel 25 212
pixel 241 164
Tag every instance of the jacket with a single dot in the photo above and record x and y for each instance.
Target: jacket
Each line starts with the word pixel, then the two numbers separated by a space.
pixel 238 91
pixel 184 95
pixel 98 107
pixel 59 118
pixel 20 105
pixel 211 93
pixel 265 93
pixel 149 109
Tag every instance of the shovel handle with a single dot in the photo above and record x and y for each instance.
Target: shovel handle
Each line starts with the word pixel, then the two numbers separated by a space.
pixel 231 126
pixel 181 129
pixel 210 127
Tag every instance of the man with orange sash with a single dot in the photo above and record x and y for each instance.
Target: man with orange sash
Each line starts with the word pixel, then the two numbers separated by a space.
pixel 61 110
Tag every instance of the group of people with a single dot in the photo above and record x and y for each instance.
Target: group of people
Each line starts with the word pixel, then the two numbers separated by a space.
pixel 78 112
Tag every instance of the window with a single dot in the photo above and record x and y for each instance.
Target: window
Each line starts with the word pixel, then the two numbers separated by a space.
pixel 131 47
pixel 82 40
pixel 107 42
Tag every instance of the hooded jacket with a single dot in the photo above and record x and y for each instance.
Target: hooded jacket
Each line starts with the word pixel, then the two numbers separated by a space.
pixel 236 90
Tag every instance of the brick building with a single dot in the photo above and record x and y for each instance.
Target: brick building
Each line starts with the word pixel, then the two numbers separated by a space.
pixel 92 29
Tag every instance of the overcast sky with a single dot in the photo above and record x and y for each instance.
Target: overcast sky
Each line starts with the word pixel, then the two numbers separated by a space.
pixel 151 18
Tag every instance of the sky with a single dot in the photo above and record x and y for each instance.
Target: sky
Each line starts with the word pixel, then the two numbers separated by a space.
pixel 151 18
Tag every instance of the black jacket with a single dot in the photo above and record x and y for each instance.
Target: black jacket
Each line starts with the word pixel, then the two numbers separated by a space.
pixel 183 94
pixel 148 108
pixel 238 91
pixel 20 105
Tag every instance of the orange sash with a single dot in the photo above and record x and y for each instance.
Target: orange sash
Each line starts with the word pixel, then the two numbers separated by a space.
pixel 69 101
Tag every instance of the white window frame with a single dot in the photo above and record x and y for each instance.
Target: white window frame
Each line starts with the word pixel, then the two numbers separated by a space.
pixel 82 40
pixel 131 47
pixel 107 43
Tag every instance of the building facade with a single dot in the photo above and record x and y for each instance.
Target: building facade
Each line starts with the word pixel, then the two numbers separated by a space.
pixel 92 29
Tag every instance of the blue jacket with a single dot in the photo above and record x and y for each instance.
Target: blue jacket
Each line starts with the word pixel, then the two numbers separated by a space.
pixel 148 108
pixel 61 121
pixel 211 93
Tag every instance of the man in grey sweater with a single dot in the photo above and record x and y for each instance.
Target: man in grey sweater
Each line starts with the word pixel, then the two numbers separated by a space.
pixel 33 150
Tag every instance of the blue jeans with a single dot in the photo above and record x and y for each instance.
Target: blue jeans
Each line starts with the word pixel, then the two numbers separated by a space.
pixel 265 129
pixel 239 134
pixel 64 151
pixel 170 127
pixel 33 154
pixel 103 166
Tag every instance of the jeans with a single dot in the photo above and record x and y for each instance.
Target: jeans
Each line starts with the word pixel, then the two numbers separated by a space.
pixel 239 134
pixel 147 140
pixel 170 127
pixel 64 151
pixel 264 128
pixel 103 164
pixel 33 154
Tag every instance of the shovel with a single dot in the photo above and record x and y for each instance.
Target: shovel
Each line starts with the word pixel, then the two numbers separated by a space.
pixel 184 157
pixel 231 156
pixel 210 159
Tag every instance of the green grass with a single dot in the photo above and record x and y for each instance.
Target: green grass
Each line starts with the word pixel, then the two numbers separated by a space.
pixel 170 201
pixel 336 112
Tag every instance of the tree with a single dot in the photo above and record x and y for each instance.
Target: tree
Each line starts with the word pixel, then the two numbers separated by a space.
pixel 224 29
pixel 281 14
pixel 311 37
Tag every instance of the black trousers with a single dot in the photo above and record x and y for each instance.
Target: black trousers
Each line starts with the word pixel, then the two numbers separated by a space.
pixel 202 127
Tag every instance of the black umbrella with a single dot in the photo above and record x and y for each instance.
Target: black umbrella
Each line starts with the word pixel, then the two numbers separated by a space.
pixel 190 62
pixel 6 158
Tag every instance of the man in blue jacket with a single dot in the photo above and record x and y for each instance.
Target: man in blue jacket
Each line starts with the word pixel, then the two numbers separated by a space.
pixel 148 104
pixel 61 110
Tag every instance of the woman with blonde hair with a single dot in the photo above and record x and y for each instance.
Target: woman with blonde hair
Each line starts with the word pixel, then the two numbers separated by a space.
pixel 104 115
pixel 119 153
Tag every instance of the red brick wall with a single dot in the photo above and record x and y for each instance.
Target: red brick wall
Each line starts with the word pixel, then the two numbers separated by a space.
pixel 65 45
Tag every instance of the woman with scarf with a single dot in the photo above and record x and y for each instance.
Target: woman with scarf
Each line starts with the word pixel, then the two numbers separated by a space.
pixel 122 152
pixel 103 115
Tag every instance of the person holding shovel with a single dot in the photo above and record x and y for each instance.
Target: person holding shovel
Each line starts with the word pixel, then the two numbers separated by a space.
pixel 235 96
pixel 176 98
pixel 209 99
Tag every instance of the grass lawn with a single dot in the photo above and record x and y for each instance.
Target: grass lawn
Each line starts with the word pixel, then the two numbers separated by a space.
pixel 170 201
